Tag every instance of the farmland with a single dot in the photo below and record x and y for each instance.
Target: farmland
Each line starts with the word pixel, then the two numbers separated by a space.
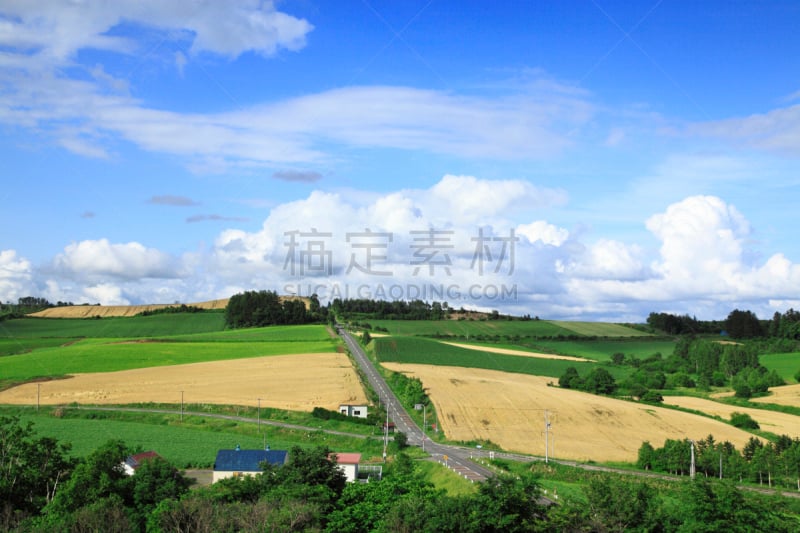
pixel 414 350
pixel 498 328
pixel 114 327
pixel 785 364
pixel 508 410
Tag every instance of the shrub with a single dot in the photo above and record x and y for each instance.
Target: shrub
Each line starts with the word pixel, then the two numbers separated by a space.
pixel 743 421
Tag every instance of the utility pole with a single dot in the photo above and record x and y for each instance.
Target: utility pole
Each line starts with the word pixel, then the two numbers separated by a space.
pixel 259 415
pixel 386 431
pixel 546 437
pixel 424 420
pixel 181 406
pixel 692 466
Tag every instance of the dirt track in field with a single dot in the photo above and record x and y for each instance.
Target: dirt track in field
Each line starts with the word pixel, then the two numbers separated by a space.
pixel 292 382
pixel 507 351
pixel 508 409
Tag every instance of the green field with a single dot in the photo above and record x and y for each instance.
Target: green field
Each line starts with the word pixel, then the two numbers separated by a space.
pixel 785 364
pixel 497 329
pixel 192 443
pixel 138 326
pixel 23 345
pixel 109 355
pixel 415 350
pixel 471 328
pixel 602 350
pixel 600 329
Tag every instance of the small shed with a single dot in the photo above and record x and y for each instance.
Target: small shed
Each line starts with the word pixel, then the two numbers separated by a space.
pixel 348 463
pixel 358 411
pixel 238 462
pixel 133 462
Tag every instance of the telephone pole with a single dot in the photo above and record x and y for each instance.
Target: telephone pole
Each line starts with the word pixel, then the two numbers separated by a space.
pixel 546 437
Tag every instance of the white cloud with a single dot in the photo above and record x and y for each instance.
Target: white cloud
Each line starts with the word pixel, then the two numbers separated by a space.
pixel 92 259
pixel 57 29
pixel 541 231
pixel 777 130
pixel 91 110
pixel 16 275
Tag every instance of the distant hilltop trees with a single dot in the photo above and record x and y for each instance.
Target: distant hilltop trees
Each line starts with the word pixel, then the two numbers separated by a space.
pixel 265 308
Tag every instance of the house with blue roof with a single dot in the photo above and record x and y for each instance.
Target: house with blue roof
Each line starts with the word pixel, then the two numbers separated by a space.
pixel 238 462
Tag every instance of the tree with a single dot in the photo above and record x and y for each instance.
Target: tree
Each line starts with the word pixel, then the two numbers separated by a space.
pixel 599 381
pixel 623 505
pixel 743 421
pixel 570 379
pixel 743 325
pixel 31 469
pixel 100 475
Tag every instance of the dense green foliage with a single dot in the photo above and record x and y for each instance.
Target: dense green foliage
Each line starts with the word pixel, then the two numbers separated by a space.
pixel 775 464
pixel 597 381
pixel 265 308
pixel 309 493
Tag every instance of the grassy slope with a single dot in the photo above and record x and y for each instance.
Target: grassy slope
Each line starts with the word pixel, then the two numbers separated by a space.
pixel 785 364
pixel 108 355
pixel 464 328
pixel 139 326
pixel 602 350
pixel 600 329
pixel 414 350
pixel 193 442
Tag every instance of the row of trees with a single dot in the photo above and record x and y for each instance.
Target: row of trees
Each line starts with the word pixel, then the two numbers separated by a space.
pixel 776 464
pixel 739 324
pixel 390 310
pixel 265 308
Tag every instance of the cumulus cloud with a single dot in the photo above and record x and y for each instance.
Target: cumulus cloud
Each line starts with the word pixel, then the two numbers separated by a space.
pixel 543 232
pixel 16 274
pixel 92 259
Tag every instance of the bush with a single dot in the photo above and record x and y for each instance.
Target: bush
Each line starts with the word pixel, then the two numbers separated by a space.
pixel 652 396
pixel 743 421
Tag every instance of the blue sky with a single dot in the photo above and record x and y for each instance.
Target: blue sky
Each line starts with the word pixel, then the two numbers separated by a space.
pixel 630 156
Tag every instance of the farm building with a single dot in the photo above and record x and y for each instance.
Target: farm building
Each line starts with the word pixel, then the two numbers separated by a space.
pixel 238 462
pixel 348 463
pixel 358 411
pixel 133 462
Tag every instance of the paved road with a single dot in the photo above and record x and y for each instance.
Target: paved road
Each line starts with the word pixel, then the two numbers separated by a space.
pixel 456 458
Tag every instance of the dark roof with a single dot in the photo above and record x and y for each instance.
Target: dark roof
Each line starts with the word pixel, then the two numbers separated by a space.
pixel 135 461
pixel 248 460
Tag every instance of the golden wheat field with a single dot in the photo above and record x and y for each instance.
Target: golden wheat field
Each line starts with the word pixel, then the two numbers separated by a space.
pixel 772 421
pixel 523 353
pixel 291 382
pixel 87 311
pixel 785 395
pixel 509 410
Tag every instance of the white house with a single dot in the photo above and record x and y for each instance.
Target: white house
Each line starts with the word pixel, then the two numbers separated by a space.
pixel 348 463
pixel 358 411
pixel 133 462
pixel 238 462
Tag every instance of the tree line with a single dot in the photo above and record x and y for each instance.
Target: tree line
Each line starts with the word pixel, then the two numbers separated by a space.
pixel 774 464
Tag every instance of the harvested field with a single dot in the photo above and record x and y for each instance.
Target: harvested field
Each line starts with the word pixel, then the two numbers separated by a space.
pixel 88 311
pixel 772 421
pixel 291 382
pixel 103 311
pixel 507 351
pixel 786 395
pixel 508 409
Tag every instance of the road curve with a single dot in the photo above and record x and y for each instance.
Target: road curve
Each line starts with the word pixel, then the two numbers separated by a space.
pixel 456 458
